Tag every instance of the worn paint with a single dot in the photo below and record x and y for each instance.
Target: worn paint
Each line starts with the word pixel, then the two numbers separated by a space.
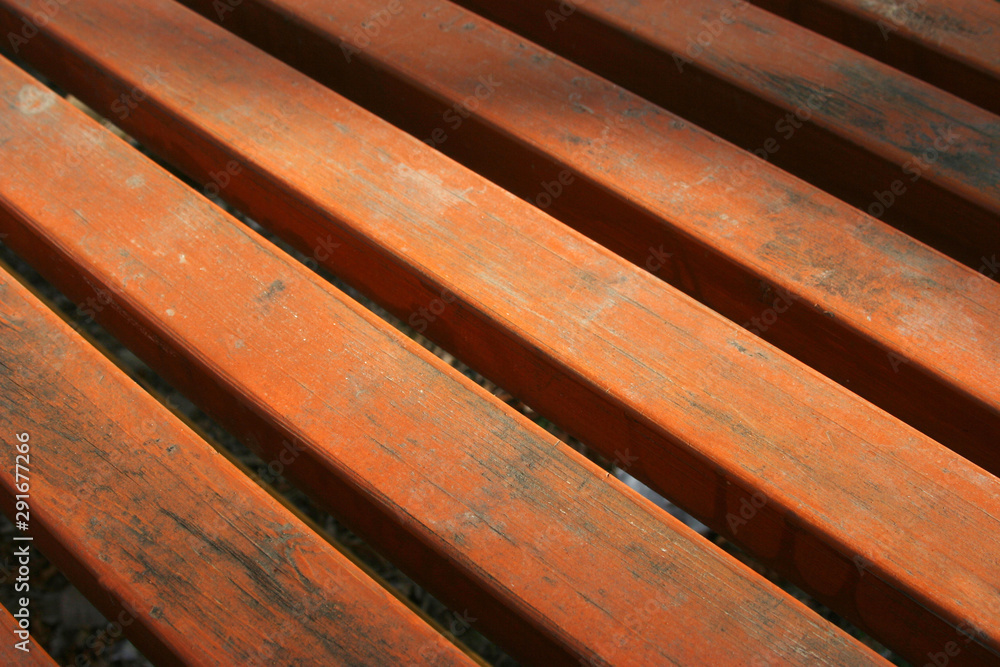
pixel 317 370
pixel 714 423
pixel 150 522
pixel 951 44
pixel 649 180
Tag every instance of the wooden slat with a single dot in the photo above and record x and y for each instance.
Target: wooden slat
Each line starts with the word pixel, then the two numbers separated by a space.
pixel 952 44
pixel 556 560
pixel 684 399
pixel 838 290
pixel 196 564
pixel 868 125
pixel 356 557
pixel 35 656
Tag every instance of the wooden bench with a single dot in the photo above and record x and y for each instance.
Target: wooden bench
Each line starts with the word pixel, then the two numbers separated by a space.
pixel 952 45
pixel 845 435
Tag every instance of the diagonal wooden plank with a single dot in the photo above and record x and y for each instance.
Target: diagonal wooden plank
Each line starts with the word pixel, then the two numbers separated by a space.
pixel 952 44
pixel 887 143
pixel 18 649
pixel 195 563
pixel 706 414
pixel 859 302
pixel 686 400
pixel 557 561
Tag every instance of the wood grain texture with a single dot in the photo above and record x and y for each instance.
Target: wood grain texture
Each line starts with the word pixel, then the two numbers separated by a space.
pixel 557 561
pixel 35 657
pixel 868 125
pixel 951 44
pixel 193 562
pixel 861 303
pixel 686 400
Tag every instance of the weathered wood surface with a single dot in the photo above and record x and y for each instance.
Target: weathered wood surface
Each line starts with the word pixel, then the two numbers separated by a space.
pixel 34 657
pixel 755 78
pixel 180 551
pixel 865 305
pixel 952 44
pixel 683 398
pixel 558 562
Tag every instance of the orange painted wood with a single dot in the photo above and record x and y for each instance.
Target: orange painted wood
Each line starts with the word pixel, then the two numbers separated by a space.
pixel 840 291
pixel 555 559
pixel 34 657
pixel 681 397
pixel 757 76
pixel 952 44
pixel 193 562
